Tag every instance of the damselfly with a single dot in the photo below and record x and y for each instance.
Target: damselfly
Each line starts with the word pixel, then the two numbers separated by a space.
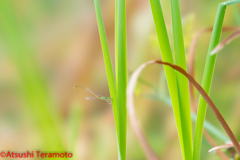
pixel 96 95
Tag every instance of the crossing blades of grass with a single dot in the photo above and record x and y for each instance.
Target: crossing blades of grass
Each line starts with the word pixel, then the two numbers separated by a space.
pixel 226 41
pixel 150 154
pixel 191 54
pixel 197 86
pixel 183 88
pixel 165 99
pixel 208 75
pixel 166 54
pixel 162 97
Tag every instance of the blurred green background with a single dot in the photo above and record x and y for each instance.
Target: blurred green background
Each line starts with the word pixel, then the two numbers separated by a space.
pixel 48 46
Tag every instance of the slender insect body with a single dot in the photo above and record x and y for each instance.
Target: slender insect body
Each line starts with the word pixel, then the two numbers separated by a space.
pixel 96 95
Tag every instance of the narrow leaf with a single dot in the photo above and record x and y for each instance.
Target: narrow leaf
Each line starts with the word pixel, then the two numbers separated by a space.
pixel 106 53
pixel 191 53
pixel 120 121
pixel 207 80
pixel 121 75
pixel 208 75
pixel 183 88
pixel 166 54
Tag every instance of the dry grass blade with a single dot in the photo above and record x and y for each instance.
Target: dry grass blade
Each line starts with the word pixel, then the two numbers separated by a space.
pixel 226 41
pixel 206 134
pixel 191 57
pixel 133 118
pixel 209 102
pixel 221 147
pixel 194 102
pixel 191 53
pixel 191 72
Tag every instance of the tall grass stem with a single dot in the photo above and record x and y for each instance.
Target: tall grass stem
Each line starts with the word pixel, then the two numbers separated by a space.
pixel 208 75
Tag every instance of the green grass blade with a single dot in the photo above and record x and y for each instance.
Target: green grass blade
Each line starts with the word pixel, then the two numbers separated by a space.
pixel 116 45
pixel 118 92
pixel 119 109
pixel 208 75
pixel 33 84
pixel 106 53
pixel 162 97
pixel 183 88
pixel 167 57
pixel 212 129
pixel 207 79
pixel 121 82
pixel 230 2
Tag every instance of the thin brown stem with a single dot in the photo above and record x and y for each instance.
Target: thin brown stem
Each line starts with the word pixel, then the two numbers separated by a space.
pixel 191 53
pixel 209 102
pixel 226 41
pixel 133 119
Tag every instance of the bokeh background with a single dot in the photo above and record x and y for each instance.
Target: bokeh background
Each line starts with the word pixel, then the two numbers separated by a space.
pixel 48 46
